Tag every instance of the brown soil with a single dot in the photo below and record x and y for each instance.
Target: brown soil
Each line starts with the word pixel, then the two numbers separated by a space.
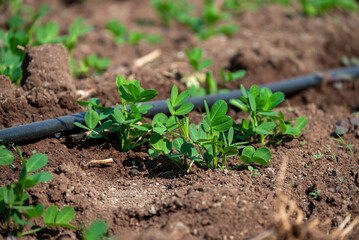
pixel 142 198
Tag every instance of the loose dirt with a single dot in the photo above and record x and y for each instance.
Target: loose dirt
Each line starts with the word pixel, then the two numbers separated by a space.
pixel 142 198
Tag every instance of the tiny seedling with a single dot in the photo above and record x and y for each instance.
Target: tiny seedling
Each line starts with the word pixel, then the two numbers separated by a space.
pixel 199 83
pixel 75 31
pixel 331 153
pixel 122 35
pixel 47 34
pixel 207 24
pixel 253 172
pixel 318 156
pixel 349 62
pixel 341 140
pixel 13 198
pixel 90 63
pixel 315 194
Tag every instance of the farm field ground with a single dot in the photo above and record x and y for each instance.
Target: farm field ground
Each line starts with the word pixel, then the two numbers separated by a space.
pixel 144 198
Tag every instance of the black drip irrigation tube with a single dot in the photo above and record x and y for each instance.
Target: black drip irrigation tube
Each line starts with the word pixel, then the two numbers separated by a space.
pixel 48 127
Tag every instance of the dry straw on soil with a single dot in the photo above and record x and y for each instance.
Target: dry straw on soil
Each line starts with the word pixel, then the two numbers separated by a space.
pixel 289 221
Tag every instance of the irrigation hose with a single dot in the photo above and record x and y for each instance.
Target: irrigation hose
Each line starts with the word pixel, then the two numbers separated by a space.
pixel 65 123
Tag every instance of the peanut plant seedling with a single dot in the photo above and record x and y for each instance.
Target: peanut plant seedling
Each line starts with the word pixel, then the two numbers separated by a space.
pixel 318 156
pixel 208 144
pixel 253 172
pixel 331 153
pixel 341 140
pixel 315 194
pixel 122 35
pixel 15 214
pixel 75 31
pixel 29 33
pixel 264 122
pixel 89 63
pixel 318 7
pixel 207 24
pixel 200 84
pixel 124 121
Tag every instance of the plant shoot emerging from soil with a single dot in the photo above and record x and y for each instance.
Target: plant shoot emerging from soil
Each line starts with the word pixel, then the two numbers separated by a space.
pixel 124 121
pixel 15 214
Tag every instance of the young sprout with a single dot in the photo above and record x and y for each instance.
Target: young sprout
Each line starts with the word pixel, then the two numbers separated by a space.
pixel 318 156
pixel 345 144
pixel 253 172
pixel 315 194
pixel 332 154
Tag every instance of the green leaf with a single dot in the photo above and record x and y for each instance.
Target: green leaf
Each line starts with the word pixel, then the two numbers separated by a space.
pixel 177 144
pixel 301 122
pixel 206 63
pixel 174 95
pixel 35 212
pixel 47 33
pixel 6 157
pixel 252 102
pixel 230 151
pixel 244 91
pixel 206 123
pixel 222 123
pixel 36 162
pixel 247 154
pixel 230 136
pixel 96 231
pixel 218 109
pixel 117 116
pixel 181 98
pixel 92 119
pixel 265 128
pixel 275 100
pixel 40 177
pixel 265 94
pixel 157 141
pixel 267 113
pixel 238 103
pixel 193 133
pixel 292 131
pixel 147 95
pixel 81 126
pixel 184 109
pixel 262 156
pixel 170 107
pixel 50 215
pixel 282 126
pixel 65 215
pixel 254 90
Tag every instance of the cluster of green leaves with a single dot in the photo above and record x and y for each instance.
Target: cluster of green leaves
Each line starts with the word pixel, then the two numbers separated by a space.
pixel 218 137
pixel 238 6
pixel 26 30
pixel 213 137
pixel 200 83
pixel 122 35
pixel 124 121
pixel 207 24
pixel 89 63
pixel 22 23
pixel 320 7
pixel 13 211
pixel 264 122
